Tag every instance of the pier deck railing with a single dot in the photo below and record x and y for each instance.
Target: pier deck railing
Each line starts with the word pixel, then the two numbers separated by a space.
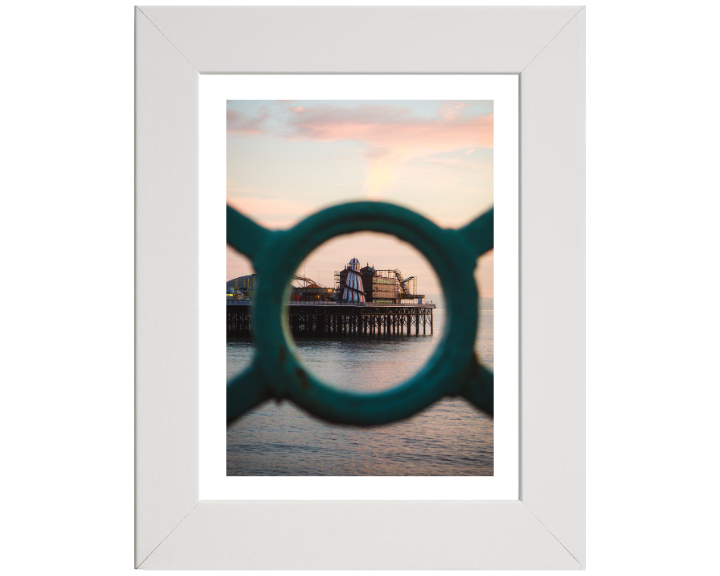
pixel 276 371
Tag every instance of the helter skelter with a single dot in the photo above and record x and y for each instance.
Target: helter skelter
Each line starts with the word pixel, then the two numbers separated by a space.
pixel 353 291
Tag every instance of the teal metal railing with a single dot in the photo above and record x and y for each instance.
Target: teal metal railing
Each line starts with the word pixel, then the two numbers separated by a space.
pixel 276 372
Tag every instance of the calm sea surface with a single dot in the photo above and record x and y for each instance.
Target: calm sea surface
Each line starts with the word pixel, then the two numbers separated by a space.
pixel 451 438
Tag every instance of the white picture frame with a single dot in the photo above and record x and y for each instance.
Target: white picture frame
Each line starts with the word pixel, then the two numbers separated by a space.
pixel 545 528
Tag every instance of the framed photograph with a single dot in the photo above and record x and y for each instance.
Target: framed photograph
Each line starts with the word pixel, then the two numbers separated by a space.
pixel 338 409
pixel 280 149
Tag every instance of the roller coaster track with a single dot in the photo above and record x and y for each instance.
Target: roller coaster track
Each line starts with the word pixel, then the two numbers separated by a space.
pixel 309 283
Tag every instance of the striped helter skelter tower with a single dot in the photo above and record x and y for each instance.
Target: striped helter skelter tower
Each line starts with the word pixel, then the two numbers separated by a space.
pixel 353 284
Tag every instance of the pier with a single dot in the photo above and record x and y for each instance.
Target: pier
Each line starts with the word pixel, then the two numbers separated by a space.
pixel 364 301
pixel 307 318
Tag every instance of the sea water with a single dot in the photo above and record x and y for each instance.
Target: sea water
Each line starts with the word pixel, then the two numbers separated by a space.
pixel 451 438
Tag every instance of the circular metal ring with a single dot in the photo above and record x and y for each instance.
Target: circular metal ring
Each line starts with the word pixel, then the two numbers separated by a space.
pixel 445 372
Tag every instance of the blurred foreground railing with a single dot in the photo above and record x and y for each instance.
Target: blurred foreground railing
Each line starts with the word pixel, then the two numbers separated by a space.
pixel 276 372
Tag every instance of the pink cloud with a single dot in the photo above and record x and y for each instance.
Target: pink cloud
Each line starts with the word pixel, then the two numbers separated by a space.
pixel 239 122
pixel 392 134
pixel 385 126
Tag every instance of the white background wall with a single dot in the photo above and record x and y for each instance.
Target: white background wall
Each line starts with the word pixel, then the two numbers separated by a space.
pixel 66 214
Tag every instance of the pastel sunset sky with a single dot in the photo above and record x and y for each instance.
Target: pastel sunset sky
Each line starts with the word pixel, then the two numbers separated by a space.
pixel 288 159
